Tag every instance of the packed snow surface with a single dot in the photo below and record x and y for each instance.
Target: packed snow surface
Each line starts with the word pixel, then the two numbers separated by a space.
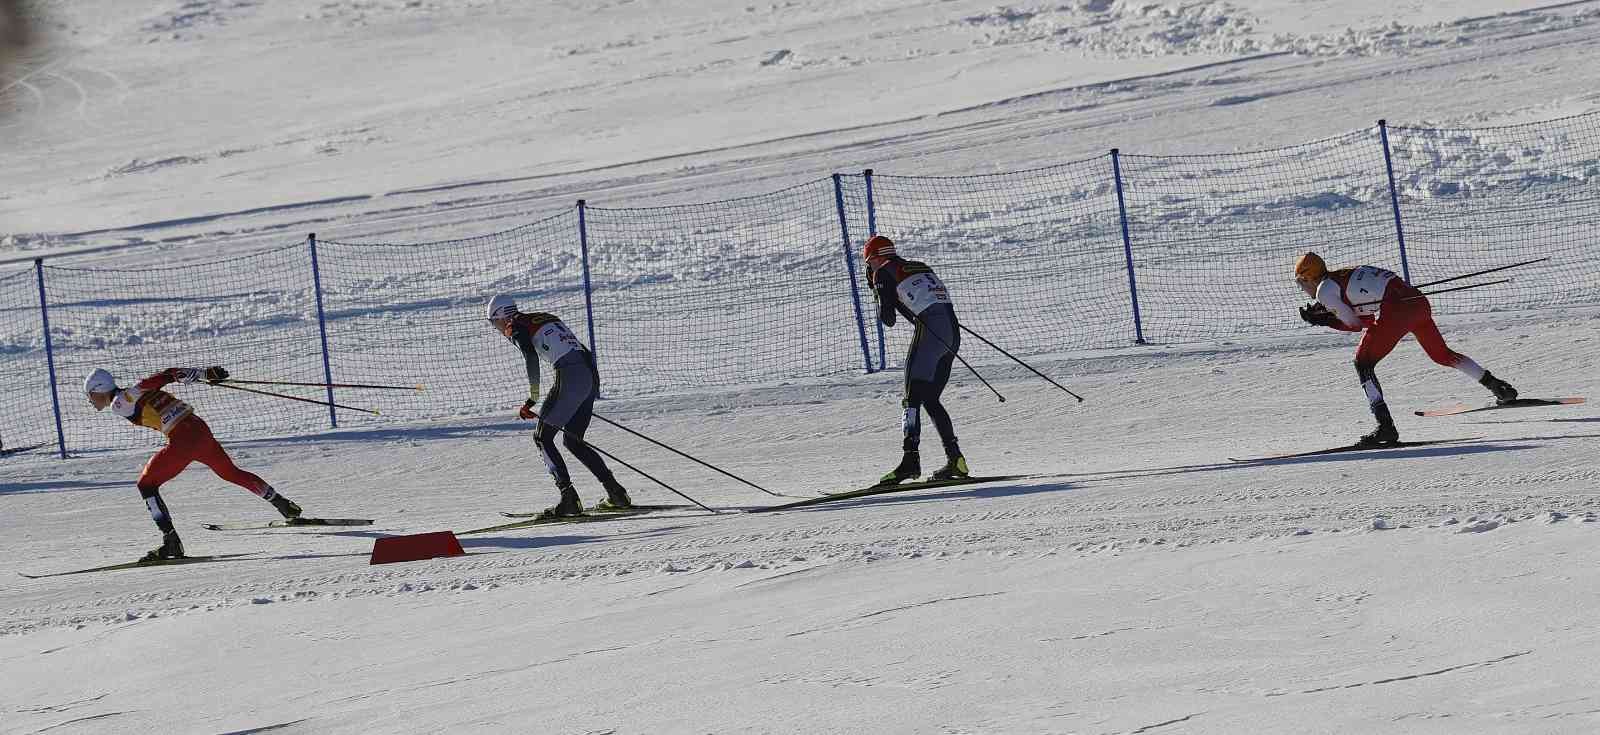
pixel 1134 581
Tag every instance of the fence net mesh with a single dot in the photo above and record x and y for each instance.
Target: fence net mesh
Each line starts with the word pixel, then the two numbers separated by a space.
pixel 254 314
pixel 767 288
pixel 414 314
pixel 750 290
pixel 1033 259
pixel 1215 237
pixel 1481 198
pixel 27 420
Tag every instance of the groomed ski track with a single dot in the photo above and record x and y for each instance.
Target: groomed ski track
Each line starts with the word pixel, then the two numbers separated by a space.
pixel 1139 584
pixel 1142 566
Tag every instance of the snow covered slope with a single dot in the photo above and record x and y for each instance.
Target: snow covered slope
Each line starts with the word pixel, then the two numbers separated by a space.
pixel 1138 578
pixel 1135 581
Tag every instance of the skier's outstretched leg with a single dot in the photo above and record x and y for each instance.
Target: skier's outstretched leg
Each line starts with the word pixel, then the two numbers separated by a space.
pixel 955 464
pixel 616 495
pixel 1433 343
pixel 929 384
pixel 210 453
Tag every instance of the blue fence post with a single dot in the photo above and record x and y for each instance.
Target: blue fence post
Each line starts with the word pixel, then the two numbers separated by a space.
pixel 1127 246
pixel 1394 199
pixel 322 329
pixel 50 356
pixel 850 267
pixel 588 289
pixel 872 229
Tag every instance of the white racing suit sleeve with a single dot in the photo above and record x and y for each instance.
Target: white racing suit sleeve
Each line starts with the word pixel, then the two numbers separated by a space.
pixel 1328 294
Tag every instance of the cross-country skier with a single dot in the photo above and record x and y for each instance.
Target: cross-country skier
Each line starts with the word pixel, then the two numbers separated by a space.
pixel 569 406
pixel 1382 303
pixel 189 439
pixel 911 288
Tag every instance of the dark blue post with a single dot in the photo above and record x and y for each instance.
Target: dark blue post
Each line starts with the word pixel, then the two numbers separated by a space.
pixel 872 207
pixel 322 329
pixel 872 229
pixel 588 290
pixel 50 356
pixel 1127 245
pixel 850 266
pixel 1394 199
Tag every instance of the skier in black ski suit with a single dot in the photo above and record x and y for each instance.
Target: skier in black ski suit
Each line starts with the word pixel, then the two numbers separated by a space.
pixel 911 288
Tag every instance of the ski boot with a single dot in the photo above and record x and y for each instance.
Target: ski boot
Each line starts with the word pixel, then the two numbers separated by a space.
pixel 287 507
pixel 171 548
pixel 1503 392
pixel 569 507
pixel 910 466
pixel 954 469
pixel 1386 435
pixel 616 498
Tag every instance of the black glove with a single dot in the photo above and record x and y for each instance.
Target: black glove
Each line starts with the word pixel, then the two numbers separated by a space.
pixel 215 374
pixel 1316 314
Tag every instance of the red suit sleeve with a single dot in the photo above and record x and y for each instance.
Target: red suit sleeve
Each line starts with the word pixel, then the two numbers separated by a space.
pixel 159 380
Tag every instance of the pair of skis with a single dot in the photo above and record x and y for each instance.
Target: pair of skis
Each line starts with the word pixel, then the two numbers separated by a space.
pixel 590 515
pixel 1455 410
pixel 244 526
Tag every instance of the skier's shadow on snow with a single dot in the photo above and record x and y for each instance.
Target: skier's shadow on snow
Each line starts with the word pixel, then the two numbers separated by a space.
pixel 51 486
pixel 401 433
pixel 524 542
pixel 1413 453
pixel 1455 449
pixel 913 495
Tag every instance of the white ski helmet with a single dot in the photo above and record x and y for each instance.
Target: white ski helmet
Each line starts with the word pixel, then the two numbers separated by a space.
pixel 502 306
pixel 99 381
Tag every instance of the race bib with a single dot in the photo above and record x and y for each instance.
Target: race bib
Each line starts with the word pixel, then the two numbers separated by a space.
pixel 921 291
pixel 161 412
pixel 554 341
pixel 1367 284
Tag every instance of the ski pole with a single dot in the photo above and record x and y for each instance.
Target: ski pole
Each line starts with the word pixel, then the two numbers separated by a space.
pixel 1442 290
pixel 647 475
pixel 321 385
pixel 1020 362
pixel 1479 273
pixel 691 458
pixel 294 398
pixel 935 335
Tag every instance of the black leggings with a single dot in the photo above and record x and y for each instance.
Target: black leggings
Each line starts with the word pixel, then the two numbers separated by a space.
pixel 573 439
pixel 924 394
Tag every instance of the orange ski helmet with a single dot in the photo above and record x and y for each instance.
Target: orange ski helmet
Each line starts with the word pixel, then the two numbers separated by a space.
pixel 877 246
pixel 1310 268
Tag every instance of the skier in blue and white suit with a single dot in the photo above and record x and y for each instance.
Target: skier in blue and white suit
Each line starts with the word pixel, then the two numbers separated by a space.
pixel 569 406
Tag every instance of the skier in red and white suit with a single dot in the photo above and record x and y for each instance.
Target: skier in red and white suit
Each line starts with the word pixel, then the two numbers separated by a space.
pixel 189 439
pixel 1382 303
